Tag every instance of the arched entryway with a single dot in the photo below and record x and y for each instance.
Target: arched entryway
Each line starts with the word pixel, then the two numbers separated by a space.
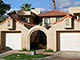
pixel 38 40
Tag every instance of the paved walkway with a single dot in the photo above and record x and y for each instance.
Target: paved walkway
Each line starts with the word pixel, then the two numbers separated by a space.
pixel 6 53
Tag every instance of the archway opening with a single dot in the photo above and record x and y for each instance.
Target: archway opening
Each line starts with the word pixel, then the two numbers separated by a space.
pixel 38 40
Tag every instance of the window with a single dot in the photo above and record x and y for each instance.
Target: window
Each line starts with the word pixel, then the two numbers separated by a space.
pixel 46 20
pixel 78 17
pixel 58 18
pixel 67 22
pixel 24 19
pixel 8 23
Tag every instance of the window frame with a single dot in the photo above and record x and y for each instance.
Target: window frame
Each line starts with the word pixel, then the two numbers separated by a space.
pixel 58 18
pixel 48 20
pixel 78 17
pixel 24 19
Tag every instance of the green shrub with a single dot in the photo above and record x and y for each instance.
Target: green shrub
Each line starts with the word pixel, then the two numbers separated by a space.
pixel 49 50
pixel 24 49
pixel 45 47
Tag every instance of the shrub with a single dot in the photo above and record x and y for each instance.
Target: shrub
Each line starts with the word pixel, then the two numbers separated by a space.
pixel 24 49
pixel 49 50
pixel 45 47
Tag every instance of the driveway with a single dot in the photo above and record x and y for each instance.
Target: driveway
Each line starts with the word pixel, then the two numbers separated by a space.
pixel 67 55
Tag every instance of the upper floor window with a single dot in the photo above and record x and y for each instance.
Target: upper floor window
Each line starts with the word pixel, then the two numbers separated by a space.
pixel 24 19
pixel 9 23
pixel 58 18
pixel 47 20
pixel 78 17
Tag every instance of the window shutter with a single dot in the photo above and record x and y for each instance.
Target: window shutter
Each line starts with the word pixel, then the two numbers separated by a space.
pixel 10 24
pixel 68 23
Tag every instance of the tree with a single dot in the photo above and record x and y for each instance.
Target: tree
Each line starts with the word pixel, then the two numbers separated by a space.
pixel 26 7
pixel 4 8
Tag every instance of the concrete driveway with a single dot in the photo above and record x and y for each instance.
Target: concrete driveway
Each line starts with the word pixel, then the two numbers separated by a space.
pixel 67 55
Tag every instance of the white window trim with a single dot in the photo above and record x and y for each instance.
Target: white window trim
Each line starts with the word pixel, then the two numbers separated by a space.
pixel 48 20
pixel 43 23
pixel 58 18
pixel 28 20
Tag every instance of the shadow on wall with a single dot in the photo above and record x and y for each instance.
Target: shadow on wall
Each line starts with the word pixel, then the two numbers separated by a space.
pixel 8 48
pixel 5 50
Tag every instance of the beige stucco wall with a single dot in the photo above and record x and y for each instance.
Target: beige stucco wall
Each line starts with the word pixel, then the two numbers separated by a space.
pixel 36 11
pixel 52 19
pixel 33 29
pixel 19 27
pixel 73 10
pixel 51 33
pixel 59 27
pixel 25 33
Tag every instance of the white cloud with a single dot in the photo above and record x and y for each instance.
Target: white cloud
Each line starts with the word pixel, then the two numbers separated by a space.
pixel 65 4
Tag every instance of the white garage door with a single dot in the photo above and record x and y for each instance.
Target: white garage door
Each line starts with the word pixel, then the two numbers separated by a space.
pixel 13 41
pixel 69 42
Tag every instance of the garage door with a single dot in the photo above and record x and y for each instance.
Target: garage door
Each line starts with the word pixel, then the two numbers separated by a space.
pixel 13 41
pixel 69 41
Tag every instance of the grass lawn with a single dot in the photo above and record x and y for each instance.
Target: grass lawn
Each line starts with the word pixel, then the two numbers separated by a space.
pixel 23 56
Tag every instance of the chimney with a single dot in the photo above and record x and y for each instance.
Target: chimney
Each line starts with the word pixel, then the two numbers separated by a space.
pixel 54 4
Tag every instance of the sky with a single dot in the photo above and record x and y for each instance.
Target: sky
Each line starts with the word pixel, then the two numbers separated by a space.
pixel 44 4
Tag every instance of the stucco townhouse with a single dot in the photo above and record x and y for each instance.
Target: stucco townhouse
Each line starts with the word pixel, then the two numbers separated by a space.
pixel 56 30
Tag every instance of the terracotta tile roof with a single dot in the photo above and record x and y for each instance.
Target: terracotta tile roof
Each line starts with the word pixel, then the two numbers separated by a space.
pixel 62 19
pixel 21 10
pixel 24 23
pixel 54 13
pixel 5 20
pixel 19 21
